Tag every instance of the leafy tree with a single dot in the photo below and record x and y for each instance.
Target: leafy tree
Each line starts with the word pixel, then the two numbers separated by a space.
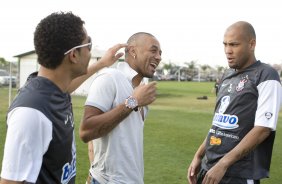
pixel 3 63
pixel 167 66
pixel 205 67
pixel 191 67
pixel 170 67
pixel 219 69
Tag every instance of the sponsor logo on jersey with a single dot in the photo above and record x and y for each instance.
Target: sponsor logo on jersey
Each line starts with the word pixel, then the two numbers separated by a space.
pixel 222 120
pixel 224 84
pixel 224 102
pixel 70 119
pixel 215 141
pixel 268 115
pixel 69 171
pixel 225 121
pixel 224 134
pixel 230 88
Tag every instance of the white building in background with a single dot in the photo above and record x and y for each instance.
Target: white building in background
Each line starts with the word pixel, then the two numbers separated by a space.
pixel 27 64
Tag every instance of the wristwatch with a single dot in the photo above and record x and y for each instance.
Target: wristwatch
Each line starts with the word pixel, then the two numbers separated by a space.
pixel 131 103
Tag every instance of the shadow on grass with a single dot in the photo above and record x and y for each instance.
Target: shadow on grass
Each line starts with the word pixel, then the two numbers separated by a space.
pixel 168 95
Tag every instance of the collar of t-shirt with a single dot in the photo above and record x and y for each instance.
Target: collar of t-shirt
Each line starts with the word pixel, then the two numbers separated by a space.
pixel 126 70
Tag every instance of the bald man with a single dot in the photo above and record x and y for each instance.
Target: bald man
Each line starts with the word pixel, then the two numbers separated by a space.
pixel 115 110
pixel 238 147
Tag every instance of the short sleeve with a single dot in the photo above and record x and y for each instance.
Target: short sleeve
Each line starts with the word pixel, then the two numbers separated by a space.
pixel 28 137
pixel 269 102
pixel 102 92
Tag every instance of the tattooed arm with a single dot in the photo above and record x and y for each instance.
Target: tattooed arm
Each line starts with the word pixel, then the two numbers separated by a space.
pixel 96 123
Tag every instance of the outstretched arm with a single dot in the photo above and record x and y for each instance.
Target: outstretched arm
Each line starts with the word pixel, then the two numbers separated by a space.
pixel 108 59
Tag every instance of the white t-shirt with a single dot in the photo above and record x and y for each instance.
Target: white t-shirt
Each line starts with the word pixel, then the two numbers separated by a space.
pixel 118 156
pixel 34 132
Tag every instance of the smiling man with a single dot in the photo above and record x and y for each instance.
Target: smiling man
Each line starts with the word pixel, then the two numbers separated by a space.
pixel 115 110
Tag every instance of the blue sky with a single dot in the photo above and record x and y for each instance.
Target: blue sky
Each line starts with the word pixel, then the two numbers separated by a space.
pixel 187 30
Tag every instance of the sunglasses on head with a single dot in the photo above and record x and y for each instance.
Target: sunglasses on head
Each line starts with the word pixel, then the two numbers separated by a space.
pixel 89 45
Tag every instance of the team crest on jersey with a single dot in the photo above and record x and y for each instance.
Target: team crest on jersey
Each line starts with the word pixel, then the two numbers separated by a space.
pixel 241 84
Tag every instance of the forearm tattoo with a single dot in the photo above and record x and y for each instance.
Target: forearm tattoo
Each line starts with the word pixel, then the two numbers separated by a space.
pixel 108 126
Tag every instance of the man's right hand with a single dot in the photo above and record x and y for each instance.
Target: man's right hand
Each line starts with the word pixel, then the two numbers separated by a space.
pixel 193 170
pixel 112 55
pixel 145 93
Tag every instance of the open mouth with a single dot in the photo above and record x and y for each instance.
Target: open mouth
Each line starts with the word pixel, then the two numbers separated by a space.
pixel 230 59
pixel 154 65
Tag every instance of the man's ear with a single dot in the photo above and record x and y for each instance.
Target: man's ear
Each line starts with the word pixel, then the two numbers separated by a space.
pixel 73 56
pixel 253 44
pixel 131 51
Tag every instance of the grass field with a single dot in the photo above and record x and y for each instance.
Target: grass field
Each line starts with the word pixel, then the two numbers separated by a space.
pixel 176 125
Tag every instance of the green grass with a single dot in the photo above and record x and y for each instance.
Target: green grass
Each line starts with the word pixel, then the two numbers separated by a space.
pixel 176 125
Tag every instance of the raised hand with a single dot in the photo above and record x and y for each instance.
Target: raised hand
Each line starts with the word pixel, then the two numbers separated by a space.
pixel 145 93
pixel 111 55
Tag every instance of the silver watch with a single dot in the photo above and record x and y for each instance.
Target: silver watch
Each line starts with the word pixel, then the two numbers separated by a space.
pixel 131 103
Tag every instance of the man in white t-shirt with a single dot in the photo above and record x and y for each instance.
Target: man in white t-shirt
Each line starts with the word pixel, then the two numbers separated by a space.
pixel 115 110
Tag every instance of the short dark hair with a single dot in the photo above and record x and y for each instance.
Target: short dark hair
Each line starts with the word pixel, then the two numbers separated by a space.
pixel 56 34
pixel 135 37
